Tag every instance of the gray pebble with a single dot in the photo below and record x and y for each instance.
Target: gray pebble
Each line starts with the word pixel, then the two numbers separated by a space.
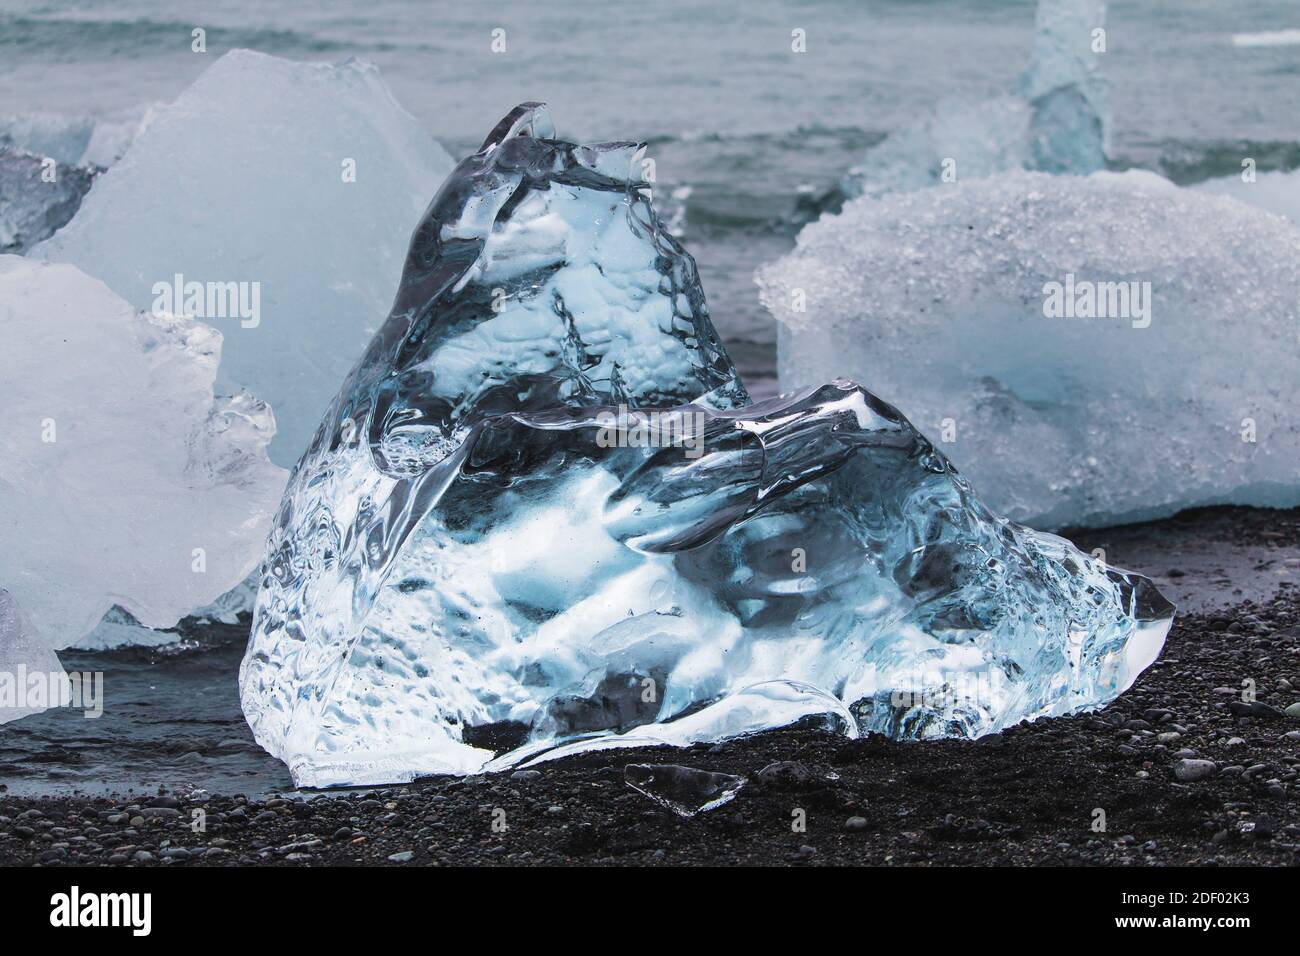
pixel 1188 770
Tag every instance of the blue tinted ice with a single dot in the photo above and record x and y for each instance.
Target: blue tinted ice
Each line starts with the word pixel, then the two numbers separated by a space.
pixel 540 517
pixel 1055 121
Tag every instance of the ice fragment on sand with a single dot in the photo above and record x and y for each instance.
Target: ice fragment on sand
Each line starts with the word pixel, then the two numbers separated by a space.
pixel 499 549
pixel 684 790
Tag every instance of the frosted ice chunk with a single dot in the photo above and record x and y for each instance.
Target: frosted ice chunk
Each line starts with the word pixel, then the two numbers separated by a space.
pixel 937 299
pixel 36 199
pixel 22 653
pixel 684 790
pixel 1056 121
pixel 296 177
pixel 123 481
pixel 498 549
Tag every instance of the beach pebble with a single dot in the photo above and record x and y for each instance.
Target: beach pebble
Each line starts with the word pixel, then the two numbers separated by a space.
pixel 159 813
pixel 1240 708
pixel 855 823
pixel 1188 770
pixel 404 856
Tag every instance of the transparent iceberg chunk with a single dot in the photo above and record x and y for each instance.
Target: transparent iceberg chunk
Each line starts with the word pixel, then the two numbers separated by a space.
pixel 511 541
pixel 283 193
pixel 474 571
pixel 948 301
pixel 685 791
pixel 539 277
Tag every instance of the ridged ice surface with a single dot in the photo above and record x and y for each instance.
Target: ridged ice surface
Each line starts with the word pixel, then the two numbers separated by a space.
pixel 485 559
pixel 936 299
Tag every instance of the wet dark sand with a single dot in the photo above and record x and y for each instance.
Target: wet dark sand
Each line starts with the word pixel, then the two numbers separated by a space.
pixel 1028 796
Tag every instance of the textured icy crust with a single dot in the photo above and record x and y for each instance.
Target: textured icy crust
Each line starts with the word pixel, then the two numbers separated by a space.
pixel 116 460
pixel 818 558
pixel 936 298
pixel 539 277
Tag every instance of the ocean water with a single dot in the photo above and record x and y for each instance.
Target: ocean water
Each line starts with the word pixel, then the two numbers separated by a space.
pixel 744 133
pixel 740 127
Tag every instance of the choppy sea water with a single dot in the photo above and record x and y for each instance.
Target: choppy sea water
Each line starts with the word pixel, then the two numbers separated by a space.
pixel 742 131
pixel 740 127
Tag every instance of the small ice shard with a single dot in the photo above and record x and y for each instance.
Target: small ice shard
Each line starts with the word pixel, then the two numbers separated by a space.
pixel 123 480
pixel 683 790
pixel 1057 121
pixel 38 196
pixel 498 550
pixel 278 191
pixel 1115 410
pixel 24 656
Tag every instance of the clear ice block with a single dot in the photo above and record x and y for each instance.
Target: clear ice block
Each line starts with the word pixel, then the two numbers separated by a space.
pixel 541 518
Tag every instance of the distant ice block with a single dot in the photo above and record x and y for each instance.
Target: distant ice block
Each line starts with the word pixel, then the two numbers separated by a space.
pixel 288 184
pixel 1056 121
pixel 119 628
pixel 38 196
pixel 939 299
pixel 499 549
pixel 123 481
